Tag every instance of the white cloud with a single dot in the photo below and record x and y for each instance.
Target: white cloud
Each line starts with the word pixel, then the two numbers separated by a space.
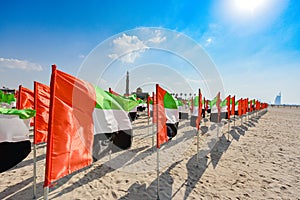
pixel 81 56
pixel 127 48
pixel 157 39
pixel 208 41
pixel 11 63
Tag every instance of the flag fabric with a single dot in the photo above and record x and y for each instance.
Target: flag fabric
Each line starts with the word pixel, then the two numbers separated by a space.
pixel 14 136
pixel 215 109
pixel 25 98
pixel 7 100
pixel 128 103
pixel 233 106
pixel 41 105
pixel 161 117
pixel 148 105
pixel 224 108
pixel 240 107
pixel 207 106
pixel 82 120
pixel 229 102
pixel 199 111
pixel 111 122
pixel 183 113
pixel 195 113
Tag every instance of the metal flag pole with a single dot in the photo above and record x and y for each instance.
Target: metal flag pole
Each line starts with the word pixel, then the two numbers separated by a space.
pixel 198 125
pixel 153 134
pixel 234 119
pixel 157 150
pixel 46 192
pixel 157 147
pixel 198 139
pixel 241 120
pixel 34 171
pixel 228 128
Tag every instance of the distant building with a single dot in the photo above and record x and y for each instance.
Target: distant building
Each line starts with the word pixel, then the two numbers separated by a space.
pixel 278 99
pixel 7 90
pixel 127 84
pixel 140 94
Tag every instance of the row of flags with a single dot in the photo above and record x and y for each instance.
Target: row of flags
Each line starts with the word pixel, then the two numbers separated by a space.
pixel 77 119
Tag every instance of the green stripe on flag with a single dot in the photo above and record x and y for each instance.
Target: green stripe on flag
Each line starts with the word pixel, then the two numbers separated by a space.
pixel 7 98
pixel 169 101
pixel 107 101
pixel 223 103
pixel 23 114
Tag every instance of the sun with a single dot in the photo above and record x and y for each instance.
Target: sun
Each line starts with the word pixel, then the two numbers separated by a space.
pixel 248 5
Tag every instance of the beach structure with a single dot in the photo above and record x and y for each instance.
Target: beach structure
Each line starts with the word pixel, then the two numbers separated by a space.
pixel 277 100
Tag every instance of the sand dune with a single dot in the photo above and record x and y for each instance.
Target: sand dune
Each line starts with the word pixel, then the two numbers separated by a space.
pixel 261 160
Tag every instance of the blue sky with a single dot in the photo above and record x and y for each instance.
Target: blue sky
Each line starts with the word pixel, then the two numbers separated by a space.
pixel 255 45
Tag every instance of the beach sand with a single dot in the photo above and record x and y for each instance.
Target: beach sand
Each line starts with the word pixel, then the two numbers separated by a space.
pixel 261 160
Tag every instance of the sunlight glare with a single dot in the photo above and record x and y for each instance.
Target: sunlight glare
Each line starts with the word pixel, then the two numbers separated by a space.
pixel 248 5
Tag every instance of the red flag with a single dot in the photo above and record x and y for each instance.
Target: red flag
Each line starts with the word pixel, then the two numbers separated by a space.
pixel 41 105
pixel 192 103
pixel 240 107
pixel 148 105
pixel 228 106
pixel 25 98
pixel 244 106
pixel 247 105
pixel 206 106
pixel 161 117
pixel 233 106
pixel 218 106
pixel 199 110
pixel 71 128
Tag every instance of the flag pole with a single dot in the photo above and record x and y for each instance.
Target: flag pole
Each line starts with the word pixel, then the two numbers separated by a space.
pixel 153 133
pixel 34 171
pixel 228 128
pixel 46 192
pixel 157 147
pixel 34 140
pixel 157 173
pixel 198 126
pixel 228 113
pixel 198 147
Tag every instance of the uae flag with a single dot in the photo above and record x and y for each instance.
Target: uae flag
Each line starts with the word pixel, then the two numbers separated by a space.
pixel 183 112
pixel 223 112
pixel 215 109
pixel 7 100
pixel 41 106
pixel 83 121
pixel 14 136
pixel 129 103
pixel 196 110
pixel 167 115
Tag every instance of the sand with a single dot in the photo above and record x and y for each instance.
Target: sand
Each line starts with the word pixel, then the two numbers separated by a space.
pixel 261 160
